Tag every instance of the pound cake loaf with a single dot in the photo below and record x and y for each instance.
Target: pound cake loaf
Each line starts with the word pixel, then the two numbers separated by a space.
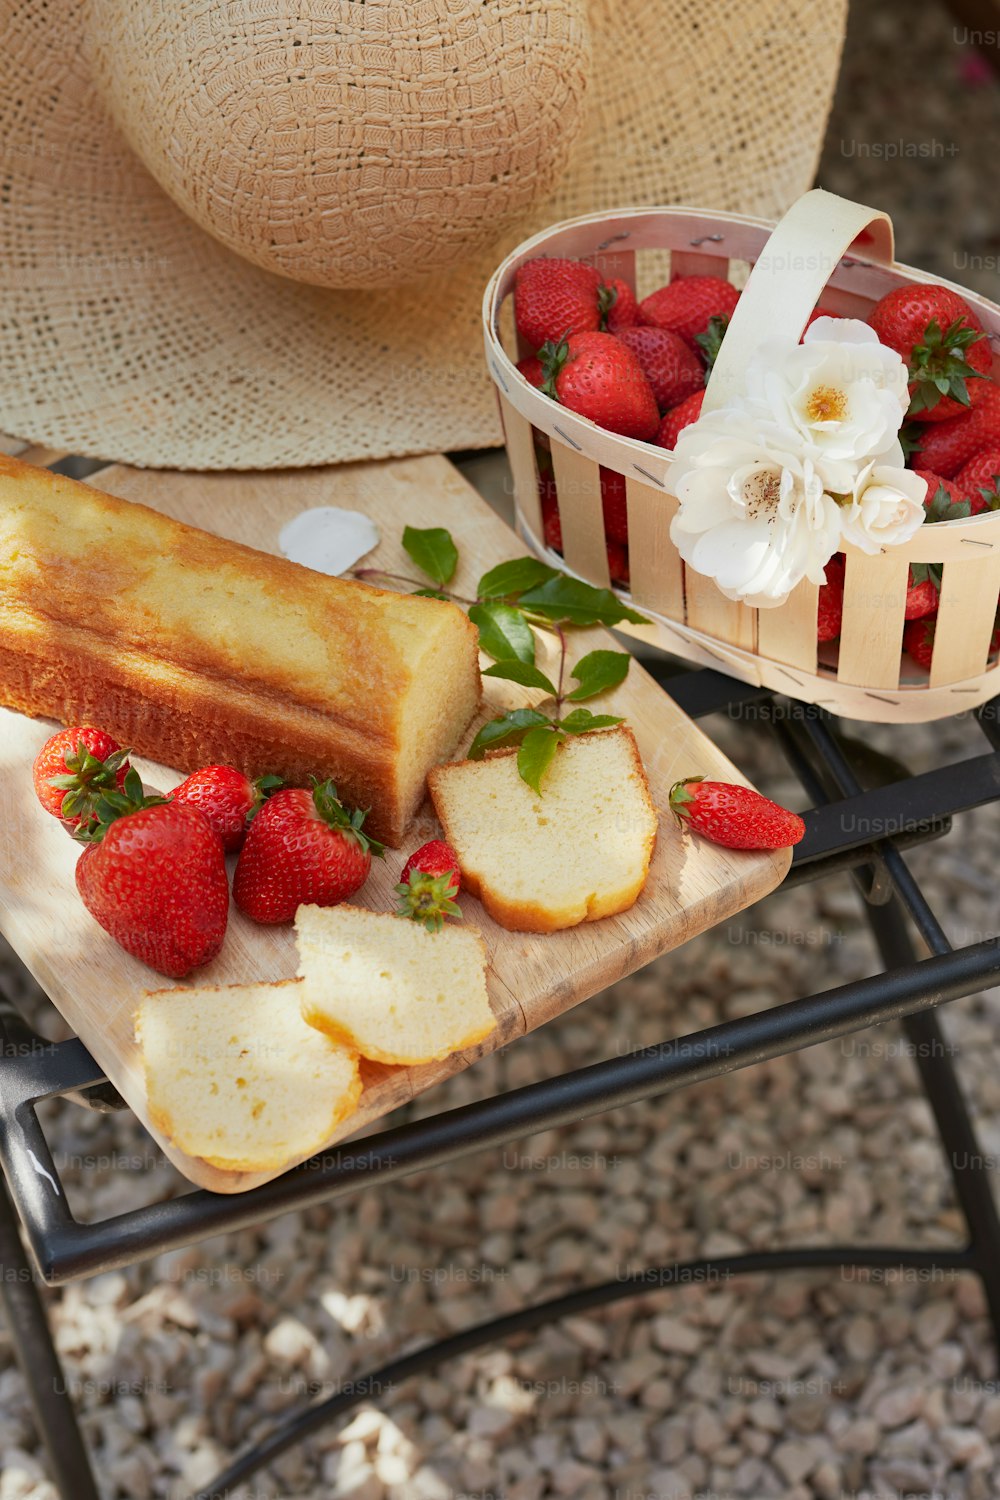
pixel 578 852
pixel 193 650
pixel 236 1077
pixel 390 988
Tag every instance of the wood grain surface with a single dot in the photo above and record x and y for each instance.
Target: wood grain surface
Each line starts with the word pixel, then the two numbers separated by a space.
pixel 95 985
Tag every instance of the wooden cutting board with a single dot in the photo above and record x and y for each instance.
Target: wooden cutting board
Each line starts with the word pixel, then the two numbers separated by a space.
pixel 95 985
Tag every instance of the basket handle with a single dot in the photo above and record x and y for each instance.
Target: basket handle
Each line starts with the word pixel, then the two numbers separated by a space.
pixel 784 286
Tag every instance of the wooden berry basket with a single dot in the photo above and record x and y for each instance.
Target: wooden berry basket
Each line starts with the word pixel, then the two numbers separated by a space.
pixel 794 265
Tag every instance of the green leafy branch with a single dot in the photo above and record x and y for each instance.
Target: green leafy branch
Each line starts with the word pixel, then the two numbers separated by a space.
pixel 512 601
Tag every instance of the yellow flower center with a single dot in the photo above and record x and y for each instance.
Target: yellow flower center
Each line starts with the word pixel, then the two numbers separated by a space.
pixel 826 404
pixel 761 493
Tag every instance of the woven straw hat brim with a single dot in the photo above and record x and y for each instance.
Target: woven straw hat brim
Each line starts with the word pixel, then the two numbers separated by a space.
pixel 128 333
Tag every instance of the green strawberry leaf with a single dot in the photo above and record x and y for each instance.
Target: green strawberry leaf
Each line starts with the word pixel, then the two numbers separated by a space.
pixel 513 578
pixel 428 594
pixel 504 633
pixel 710 342
pixel 598 671
pixel 535 755
pixel 509 727
pixel 433 551
pixel 581 719
pixel 568 600
pixel 524 672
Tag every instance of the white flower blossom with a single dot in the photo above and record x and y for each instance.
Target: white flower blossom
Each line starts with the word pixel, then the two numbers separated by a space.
pixel 886 507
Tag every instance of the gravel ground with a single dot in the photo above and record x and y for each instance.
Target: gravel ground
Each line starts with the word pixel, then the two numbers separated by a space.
pixel 819 1385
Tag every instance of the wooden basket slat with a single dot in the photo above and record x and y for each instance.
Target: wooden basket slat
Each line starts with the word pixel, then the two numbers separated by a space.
pixel 714 614
pixel 656 568
pixel 578 489
pixel 788 634
pixel 969 591
pixel 699 262
pixel 871 638
pixel 523 467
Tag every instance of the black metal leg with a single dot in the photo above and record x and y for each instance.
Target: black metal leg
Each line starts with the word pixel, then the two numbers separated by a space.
pixel 963 1153
pixel 40 1364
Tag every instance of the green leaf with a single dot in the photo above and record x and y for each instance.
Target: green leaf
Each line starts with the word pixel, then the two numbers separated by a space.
pixel 523 672
pixel 504 633
pixel 433 551
pixel 428 594
pixel 505 730
pixel 581 719
pixel 568 599
pixel 513 578
pixel 535 755
pixel 598 671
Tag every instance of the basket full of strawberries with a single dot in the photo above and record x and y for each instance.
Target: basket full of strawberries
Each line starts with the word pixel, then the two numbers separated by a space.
pixel 788 455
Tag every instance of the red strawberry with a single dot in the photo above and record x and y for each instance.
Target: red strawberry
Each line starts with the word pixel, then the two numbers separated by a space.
pixel 153 875
pixel 531 369
pixel 979 481
pixel 670 428
pixel 227 800
pixel 942 341
pixel 918 640
pixel 73 768
pixel 946 446
pixel 303 846
pixel 673 370
pixel 614 505
pixel 595 375
pixel 735 816
pixel 619 307
pixel 429 884
pixel 553 298
pixel 830 611
pixel 618 564
pixel 943 496
pixel 921 596
pixel 551 523
pixel 687 304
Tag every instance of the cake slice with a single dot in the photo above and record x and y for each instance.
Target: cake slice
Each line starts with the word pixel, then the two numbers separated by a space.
pixel 578 852
pixel 390 988
pixel 236 1077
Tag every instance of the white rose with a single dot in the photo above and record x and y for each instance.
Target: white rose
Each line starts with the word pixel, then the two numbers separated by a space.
pixel 841 391
pixel 886 507
pixel 754 518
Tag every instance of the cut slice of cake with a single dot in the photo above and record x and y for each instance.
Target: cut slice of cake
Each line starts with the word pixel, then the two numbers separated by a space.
pixel 236 1077
pixel 578 852
pixel 390 988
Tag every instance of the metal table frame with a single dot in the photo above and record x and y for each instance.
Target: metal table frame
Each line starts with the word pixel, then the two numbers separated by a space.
pixel 851 828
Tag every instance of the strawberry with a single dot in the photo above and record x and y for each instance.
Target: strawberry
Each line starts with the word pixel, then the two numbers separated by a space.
pixel 979 481
pixel 921 595
pixel 429 884
pixel 618 564
pixel 734 816
pixel 551 523
pixel 671 425
pixel 946 447
pixel 619 308
pixel 673 370
pixel 918 640
pixel 227 800
pixel 595 375
pixel 73 768
pixel 943 343
pixel 830 611
pixel 303 846
pixel 687 304
pixel 554 298
pixel 153 875
pixel 945 499
pixel 531 369
pixel 614 506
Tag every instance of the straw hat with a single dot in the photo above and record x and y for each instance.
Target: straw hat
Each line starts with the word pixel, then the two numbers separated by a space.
pixel 255 233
